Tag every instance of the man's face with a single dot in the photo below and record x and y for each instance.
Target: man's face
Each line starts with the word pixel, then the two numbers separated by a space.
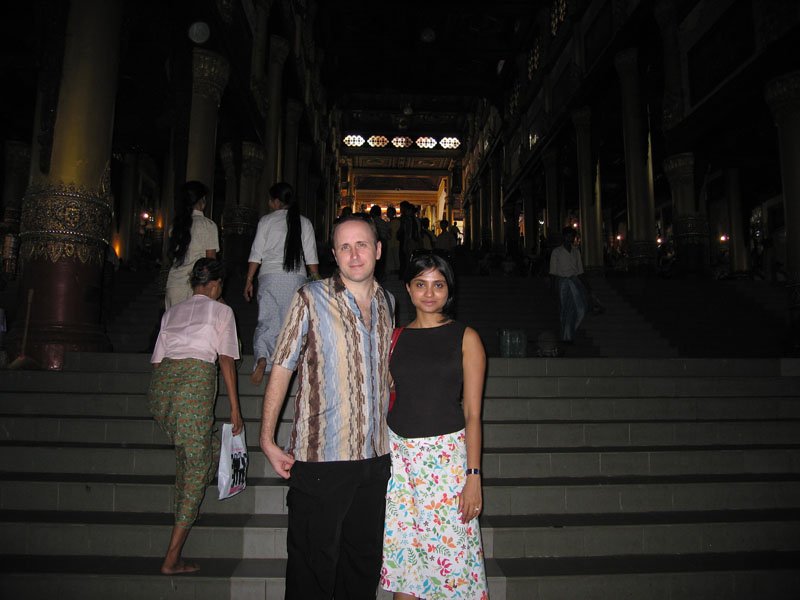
pixel 355 250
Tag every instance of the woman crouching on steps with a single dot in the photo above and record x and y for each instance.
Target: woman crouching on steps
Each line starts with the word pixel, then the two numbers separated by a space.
pixel 194 334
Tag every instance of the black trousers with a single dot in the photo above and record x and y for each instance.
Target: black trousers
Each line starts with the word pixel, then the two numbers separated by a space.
pixel 335 538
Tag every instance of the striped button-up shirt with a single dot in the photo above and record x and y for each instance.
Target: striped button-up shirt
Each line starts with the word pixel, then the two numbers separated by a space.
pixel 342 372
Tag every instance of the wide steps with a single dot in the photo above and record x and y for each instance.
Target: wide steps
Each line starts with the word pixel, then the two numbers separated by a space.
pixel 604 478
pixel 536 536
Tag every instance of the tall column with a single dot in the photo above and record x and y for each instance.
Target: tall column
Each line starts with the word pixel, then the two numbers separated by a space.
pixel 638 170
pixel 690 228
pixel 17 172
pixel 303 162
pixel 469 226
pixel 672 111
pixel 553 220
pixel 530 215
pixel 291 124
pixel 485 225
pixel 228 159
pixel 496 203
pixel 590 232
pixel 66 213
pixel 210 76
pixel 596 216
pixel 783 96
pixel 739 257
pixel 241 213
pixel 278 52
pixel 258 55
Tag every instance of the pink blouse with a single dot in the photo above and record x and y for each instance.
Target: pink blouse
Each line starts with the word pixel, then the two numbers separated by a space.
pixel 199 328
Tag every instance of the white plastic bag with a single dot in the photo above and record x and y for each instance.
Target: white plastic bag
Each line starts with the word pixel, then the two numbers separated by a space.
pixel 232 473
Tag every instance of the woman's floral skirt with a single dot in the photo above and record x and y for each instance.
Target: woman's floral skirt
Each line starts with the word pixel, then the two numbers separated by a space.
pixel 427 551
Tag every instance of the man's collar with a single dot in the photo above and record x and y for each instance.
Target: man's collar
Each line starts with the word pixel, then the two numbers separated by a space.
pixel 339 287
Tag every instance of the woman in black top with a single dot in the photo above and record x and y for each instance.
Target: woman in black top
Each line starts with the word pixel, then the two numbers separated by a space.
pixel 432 546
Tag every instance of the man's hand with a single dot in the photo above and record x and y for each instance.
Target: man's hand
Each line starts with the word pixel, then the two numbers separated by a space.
pixel 248 290
pixel 280 461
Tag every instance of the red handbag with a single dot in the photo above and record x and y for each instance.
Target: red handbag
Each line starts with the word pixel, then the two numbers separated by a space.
pixel 395 334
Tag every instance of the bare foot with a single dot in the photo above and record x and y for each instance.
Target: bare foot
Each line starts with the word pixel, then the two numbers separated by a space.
pixel 258 375
pixel 179 568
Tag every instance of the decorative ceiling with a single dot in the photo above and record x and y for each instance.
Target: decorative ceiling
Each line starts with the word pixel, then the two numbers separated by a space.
pixel 418 69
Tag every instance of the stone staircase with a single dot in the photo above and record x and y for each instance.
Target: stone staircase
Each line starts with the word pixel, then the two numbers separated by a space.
pixel 703 318
pixel 606 478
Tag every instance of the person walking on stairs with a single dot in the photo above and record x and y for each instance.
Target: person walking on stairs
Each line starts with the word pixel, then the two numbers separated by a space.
pixel 194 334
pixel 566 266
pixel 283 248
pixel 191 237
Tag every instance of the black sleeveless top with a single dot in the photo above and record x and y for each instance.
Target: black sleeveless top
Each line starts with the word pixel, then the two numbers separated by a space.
pixel 428 377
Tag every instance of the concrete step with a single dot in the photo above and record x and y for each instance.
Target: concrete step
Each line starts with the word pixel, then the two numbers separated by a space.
pixel 721 576
pixel 531 435
pixel 97 362
pixel 530 386
pixel 153 493
pixel 157 458
pixel 587 410
pixel 264 536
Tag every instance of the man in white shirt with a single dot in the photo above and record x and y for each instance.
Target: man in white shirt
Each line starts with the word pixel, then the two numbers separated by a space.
pixel 566 265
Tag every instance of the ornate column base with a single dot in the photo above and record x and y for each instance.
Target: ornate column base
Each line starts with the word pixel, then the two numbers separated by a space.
pixel 692 253
pixel 641 256
pixel 63 237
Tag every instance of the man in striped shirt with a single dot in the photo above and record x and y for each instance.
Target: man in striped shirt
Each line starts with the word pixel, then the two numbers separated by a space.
pixel 336 336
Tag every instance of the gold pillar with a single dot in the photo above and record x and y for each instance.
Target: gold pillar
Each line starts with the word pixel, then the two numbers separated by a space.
pixel 638 168
pixel 739 257
pixel 588 201
pixel 278 52
pixel 496 203
pixel 554 221
pixel 690 228
pixel 294 110
pixel 240 218
pixel 209 78
pixel 66 213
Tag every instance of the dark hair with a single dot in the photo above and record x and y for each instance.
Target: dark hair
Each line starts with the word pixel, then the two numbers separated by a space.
pixel 293 258
pixel 391 212
pixel 356 216
pixel 205 270
pixel 192 192
pixel 444 224
pixel 568 232
pixel 424 260
pixel 375 211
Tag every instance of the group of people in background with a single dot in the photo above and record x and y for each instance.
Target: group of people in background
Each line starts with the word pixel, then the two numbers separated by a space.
pixel 380 492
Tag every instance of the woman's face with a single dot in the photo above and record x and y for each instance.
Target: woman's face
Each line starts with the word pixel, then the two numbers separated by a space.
pixel 428 291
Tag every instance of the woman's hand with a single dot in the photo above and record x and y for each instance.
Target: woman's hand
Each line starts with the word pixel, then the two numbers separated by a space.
pixel 470 501
pixel 237 422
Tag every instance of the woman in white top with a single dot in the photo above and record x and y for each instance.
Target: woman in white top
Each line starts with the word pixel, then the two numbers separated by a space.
pixel 283 248
pixel 192 236
pixel 193 335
